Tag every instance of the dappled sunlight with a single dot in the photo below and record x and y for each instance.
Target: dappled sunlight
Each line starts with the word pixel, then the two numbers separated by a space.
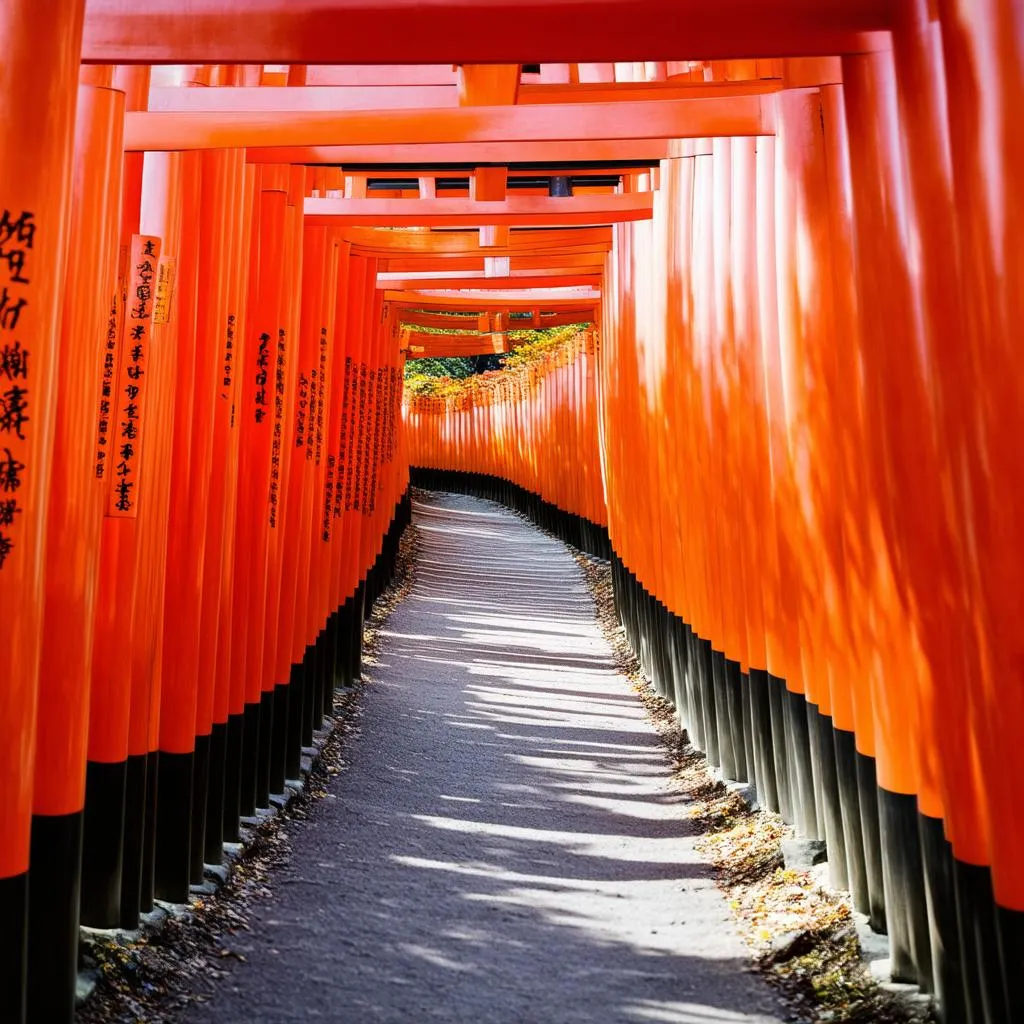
pixel 684 1013
pixel 563 835
pixel 508 846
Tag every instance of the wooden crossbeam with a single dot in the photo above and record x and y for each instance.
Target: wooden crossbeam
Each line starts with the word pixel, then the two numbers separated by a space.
pixel 424 346
pixel 368 241
pixel 548 300
pixel 495 283
pixel 671 119
pixel 598 150
pixel 400 97
pixel 482 31
pixel 514 210
pixel 417 318
pixel 428 265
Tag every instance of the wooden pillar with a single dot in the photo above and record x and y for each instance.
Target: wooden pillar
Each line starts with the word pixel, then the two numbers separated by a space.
pixel 38 91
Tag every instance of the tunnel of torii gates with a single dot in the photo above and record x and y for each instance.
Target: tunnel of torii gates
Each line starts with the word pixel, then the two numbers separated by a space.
pixel 793 422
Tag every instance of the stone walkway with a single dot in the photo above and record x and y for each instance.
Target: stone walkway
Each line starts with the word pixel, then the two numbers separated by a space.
pixel 505 846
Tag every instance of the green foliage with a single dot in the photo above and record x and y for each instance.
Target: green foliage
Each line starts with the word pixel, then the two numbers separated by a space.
pixel 438 375
pixel 530 336
pixel 533 345
pixel 455 367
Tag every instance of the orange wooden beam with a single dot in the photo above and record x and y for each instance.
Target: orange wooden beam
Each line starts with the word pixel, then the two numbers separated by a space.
pixel 377 75
pixel 427 265
pixel 481 282
pixel 423 345
pixel 582 172
pixel 515 209
pixel 671 119
pixel 482 31
pixel 409 243
pixel 599 150
pixel 385 278
pixel 400 97
pixel 544 299
pixel 415 318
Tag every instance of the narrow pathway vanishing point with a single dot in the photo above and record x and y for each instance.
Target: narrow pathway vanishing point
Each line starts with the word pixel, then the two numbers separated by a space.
pixel 505 845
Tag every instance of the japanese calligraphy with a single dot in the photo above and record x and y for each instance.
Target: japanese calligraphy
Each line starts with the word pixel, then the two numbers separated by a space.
pixel 278 432
pixel 343 496
pixel 306 383
pixel 321 389
pixel 122 405
pixel 167 268
pixel 262 363
pixel 328 497
pixel 17 238
pixel 111 344
pixel 360 441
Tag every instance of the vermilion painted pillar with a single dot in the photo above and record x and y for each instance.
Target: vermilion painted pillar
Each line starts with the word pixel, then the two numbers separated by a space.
pixel 147 356
pixel 73 535
pixel 220 256
pixel 229 699
pixel 985 85
pixel 852 709
pixel 889 346
pixel 180 599
pixel 112 777
pixel 266 291
pixel 952 808
pixel 38 89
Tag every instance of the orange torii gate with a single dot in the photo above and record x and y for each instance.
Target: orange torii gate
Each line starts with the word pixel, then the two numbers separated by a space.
pixel 808 260
pixel 319 32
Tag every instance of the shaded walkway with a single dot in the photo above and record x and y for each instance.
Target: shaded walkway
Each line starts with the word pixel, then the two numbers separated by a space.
pixel 505 846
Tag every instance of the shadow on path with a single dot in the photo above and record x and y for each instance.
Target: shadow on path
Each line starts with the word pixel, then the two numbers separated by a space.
pixel 505 846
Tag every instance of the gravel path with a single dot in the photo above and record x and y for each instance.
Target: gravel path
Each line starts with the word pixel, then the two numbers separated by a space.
pixel 505 845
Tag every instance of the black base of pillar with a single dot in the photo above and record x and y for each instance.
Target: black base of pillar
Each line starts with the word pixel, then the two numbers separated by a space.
pixel 332 677
pixel 103 843
pixel 233 777
pixel 761 726
pixel 55 877
pixel 250 757
pixel 213 829
pixel 830 806
pixel 747 719
pixel 13 947
pixel 979 945
pixel 308 695
pixel 279 738
pixel 293 738
pixel 734 696
pixel 316 683
pixel 801 776
pixel 136 787
pixel 173 827
pixel 906 909
pixel 344 637
pixel 149 835
pixel 726 751
pixel 705 675
pixel 1010 928
pixel 845 746
pixel 200 787
pixel 266 744
pixel 867 796
pixel 356 638
pixel 940 891
pixel 777 707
